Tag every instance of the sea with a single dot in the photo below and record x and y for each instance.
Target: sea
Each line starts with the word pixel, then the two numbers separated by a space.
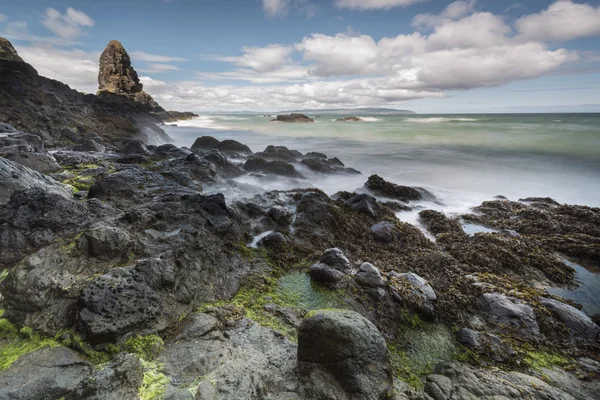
pixel 463 159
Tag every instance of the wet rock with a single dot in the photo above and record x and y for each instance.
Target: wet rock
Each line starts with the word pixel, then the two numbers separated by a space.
pixel 349 119
pixel 381 187
pixel 135 147
pixel 197 325
pixel 28 150
pixel 273 240
pixel 323 273
pixel 205 143
pixel 365 204
pixel 90 145
pixel 118 380
pixel 436 222
pixel 229 146
pixel 280 215
pixel 108 242
pixel 327 166
pixel 385 232
pixel 120 185
pixel 276 167
pixel 347 347
pixel 293 118
pixel 49 373
pixel 14 176
pixel 509 313
pixel 117 303
pixel 369 276
pixel 414 291
pixel 7 128
pixel 315 154
pixel 581 327
pixel 335 258
pixel 486 343
pixel 280 153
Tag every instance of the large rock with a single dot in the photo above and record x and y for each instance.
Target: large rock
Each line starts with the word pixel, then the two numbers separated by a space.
pixel 509 313
pixel 413 291
pixel 381 187
pixel 46 374
pixel 581 327
pixel 276 167
pixel 119 380
pixel 28 150
pixel 347 347
pixel 14 176
pixel 117 303
pixel 331 268
pixel 8 52
pixel 385 232
pixel 293 118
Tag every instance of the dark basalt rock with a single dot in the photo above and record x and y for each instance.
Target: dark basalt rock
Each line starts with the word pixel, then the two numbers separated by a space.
pixel 293 118
pixel 414 292
pixel 90 145
pixel 507 313
pixel 581 327
pixel 49 373
pixel 117 303
pixel 135 147
pixel 273 240
pixel 436 223
pixel 349 119
pixel 233 147
pixel 486 343
pixel 280 153
pixel 28 150
pixel 385 232
pixel 118 380
pixel 365 204
pixel 347 347
pixel 205 143
pixel 369 276
pixel 381 187
pixel 276 167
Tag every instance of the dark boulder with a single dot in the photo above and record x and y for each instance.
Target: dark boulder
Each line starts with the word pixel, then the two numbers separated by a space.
pixel 509 313
pixel 385 232
pixel 347 347
pixel 364 204
pixel 205 143
pixel 414 292
pixel 277 167
pixel 436 222
pixel 581 327
pixel 293 118
pixel 335 258
pixel 381 187
pixel 49 373
pixel 90 145
pixel 369 276
pixel 233 147
pixel 117 303
pixel 280 153
pixel 135 147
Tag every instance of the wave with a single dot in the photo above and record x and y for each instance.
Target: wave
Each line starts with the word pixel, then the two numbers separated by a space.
pixel 434 120
pixel 369 119
pixel 199 122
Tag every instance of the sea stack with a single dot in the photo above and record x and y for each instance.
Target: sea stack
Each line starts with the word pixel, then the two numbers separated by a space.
pixel 117 75
pixel 8 52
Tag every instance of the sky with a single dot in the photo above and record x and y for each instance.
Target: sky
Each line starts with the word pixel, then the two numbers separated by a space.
pixel 430 56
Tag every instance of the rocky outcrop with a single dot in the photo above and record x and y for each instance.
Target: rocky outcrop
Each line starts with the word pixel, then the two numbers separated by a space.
pixel 349 119
pixel 381 187
pixel 8 52
pixel 293 118
pixel 347 347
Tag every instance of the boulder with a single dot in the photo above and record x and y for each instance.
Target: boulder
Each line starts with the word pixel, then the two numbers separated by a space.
pixel 90 145
pixel 385 232
pixel 293 118
pixel 273 240
pixel 280 153
pixel 108 242
pixel 414 291
pixel 49 373
pixel 14 176
pixel 509 313
pixel 486 343
pixel 276 167
pixel 381 187
pixel 118 380
pixel 436 222
pixel 347 347
pixel 335 258
pixel 135 147
pixel 205 143
pixel 117 303
pixel 364 204
pixel 323 273
pixel 349 119
pixel 369 276
pixel 581 327
pixel 197 325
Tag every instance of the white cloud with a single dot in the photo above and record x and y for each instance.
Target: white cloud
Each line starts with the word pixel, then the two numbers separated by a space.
pixel 69 25
pixel 158 68
pixel 563 20
pixel 76 68
pixel 453 11
pixel 275 8
pixel 261 59
pixel 375 4
pixel 284 74
pixel 155 58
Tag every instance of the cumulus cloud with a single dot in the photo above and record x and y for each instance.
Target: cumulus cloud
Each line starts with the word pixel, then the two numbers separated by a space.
pixel 563 20
pixel 261 59
pixel 453 11
pixel 143 56
pixel 76 68
pixel 158 68
pixel 69 25
pixel 375 4
pixel 275 8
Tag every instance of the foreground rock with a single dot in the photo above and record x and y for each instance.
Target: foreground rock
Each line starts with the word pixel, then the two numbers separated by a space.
pixel 381 187
pixel 347 347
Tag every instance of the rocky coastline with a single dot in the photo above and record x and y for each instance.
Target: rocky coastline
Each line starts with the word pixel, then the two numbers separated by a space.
pixel 126 273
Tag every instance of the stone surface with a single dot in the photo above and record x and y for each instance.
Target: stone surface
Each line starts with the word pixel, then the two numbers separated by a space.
pixel 369 276
pixel 582 328
pixel 508 313
pixel 293 118
pixel 347 347
pixel 385 232
pixel 381 187
pixel 46 374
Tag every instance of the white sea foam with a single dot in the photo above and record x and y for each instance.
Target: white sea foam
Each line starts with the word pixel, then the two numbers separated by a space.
pixel 436 120
pixel 200 122
pixel 369 119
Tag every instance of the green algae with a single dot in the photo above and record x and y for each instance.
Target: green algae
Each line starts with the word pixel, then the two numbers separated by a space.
pixel 155 382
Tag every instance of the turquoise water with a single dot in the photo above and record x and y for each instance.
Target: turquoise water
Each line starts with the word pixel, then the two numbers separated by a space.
pixel 463 159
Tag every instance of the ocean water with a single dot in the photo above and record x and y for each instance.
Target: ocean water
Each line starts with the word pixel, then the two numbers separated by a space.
pixel 463 159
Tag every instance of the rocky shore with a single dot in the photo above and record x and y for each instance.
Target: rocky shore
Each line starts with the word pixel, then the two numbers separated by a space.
pixel 126 273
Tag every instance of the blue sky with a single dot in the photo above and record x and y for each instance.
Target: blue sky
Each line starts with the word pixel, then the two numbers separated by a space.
pixel 429 56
